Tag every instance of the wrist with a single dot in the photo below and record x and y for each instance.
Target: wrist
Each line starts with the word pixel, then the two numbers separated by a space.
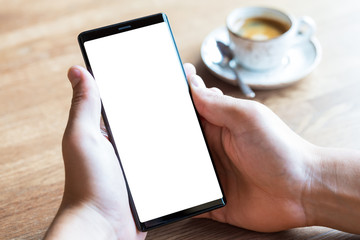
pixel 314 190
pixel 80 222
pixel 331 197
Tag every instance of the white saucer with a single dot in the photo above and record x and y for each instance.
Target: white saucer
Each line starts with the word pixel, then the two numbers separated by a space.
pixel 298 62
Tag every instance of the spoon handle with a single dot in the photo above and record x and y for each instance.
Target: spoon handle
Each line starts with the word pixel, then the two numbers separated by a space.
pixel 248 92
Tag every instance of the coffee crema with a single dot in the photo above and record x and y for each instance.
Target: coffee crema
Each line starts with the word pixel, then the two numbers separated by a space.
pixel 261 29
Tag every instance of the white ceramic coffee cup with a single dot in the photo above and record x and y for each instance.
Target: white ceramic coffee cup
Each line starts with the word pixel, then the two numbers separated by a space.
pixel 262 55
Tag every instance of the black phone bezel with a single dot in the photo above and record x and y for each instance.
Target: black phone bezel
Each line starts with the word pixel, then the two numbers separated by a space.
pixel 128 26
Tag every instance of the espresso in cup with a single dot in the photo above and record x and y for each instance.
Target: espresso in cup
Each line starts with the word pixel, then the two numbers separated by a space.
pixel 260 29
pixel 260 36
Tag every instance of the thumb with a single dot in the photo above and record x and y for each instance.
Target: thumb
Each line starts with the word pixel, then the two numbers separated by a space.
pixel 217 108
pixel 85 106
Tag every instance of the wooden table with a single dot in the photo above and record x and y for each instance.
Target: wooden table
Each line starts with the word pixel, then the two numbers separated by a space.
pixel 38 44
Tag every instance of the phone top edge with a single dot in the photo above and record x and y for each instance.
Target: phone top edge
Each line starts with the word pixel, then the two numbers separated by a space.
pixel 121 27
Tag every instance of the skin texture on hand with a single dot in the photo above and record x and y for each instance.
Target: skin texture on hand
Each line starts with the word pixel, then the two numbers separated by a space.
pixel 272 178
pixel 260 161
pixel 333 195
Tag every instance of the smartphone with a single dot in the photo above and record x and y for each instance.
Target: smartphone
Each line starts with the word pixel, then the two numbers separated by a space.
pixel 151 120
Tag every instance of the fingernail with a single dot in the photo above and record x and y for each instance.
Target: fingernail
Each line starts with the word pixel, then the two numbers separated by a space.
pixel 74 76
pixel 196 81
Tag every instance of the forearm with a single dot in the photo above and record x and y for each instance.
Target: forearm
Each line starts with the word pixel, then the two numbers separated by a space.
pixel 79 223
pixel 332 198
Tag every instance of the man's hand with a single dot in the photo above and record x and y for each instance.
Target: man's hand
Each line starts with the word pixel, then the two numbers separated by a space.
pixel 95 202
pixel 272 178
pixel 261 163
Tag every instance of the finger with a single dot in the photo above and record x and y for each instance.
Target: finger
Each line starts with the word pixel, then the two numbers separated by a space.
pixel 85 107
pixel 218 109
pixel 217 90
pixel 189 70
pixel 103 129
pixel 197 81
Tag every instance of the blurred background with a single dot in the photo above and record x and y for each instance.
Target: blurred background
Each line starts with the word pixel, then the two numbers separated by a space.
pixel 38 43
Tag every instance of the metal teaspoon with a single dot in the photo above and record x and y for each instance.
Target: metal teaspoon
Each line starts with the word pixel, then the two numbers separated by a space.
pixel 227 57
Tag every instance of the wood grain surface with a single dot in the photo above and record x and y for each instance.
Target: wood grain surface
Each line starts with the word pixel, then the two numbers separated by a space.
pixel 38 44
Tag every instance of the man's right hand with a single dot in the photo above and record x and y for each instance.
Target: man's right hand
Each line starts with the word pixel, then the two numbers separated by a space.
pixel 272 178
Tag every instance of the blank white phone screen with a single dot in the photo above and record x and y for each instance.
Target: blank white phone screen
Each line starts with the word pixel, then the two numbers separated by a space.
pixel 153 122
